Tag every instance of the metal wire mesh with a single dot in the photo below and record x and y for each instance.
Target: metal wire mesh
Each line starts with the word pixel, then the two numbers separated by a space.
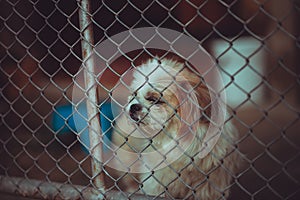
pixel 41 53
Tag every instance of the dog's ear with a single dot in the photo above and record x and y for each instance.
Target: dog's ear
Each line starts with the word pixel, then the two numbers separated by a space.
pixel 194 108
pixel 194 86
pixel 204 101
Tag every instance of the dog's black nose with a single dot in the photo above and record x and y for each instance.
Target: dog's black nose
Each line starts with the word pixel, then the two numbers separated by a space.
pixel 133 109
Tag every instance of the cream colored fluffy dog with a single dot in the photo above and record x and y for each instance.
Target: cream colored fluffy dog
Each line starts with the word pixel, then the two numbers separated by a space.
pixel 166 119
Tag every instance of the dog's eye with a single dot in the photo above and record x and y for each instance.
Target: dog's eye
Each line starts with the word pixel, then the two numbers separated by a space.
pixel 154 100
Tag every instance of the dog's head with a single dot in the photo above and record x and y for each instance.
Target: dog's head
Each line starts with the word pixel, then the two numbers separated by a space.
pixel 168 100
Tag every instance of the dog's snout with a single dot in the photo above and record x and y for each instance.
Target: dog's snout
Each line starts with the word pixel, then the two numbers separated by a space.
pixel 134 108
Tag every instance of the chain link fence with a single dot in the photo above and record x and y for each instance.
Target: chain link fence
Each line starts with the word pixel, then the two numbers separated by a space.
pixel 43 44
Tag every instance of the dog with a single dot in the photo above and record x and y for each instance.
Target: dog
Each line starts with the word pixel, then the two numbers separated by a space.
pixel 165 120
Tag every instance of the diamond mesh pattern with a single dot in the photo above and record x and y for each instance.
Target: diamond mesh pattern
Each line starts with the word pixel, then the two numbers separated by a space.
pixel 40 55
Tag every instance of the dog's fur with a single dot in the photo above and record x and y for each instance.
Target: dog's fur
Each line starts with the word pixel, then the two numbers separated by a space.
pixel 156 87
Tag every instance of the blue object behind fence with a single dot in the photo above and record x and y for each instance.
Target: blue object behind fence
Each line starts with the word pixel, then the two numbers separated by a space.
pixel 64 118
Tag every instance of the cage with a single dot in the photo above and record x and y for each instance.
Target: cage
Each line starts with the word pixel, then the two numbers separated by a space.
pixel 51 146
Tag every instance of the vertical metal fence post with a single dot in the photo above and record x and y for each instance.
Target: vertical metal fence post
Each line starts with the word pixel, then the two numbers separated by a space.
pixel 94 129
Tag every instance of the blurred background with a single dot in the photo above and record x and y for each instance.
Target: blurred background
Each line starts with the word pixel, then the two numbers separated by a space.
pixel 254 42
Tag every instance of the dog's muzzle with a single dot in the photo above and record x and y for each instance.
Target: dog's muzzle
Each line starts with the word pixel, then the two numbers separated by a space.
pixel 134 111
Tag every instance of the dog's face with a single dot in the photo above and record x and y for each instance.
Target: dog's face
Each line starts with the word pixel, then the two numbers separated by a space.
pixel 153 108
pixel 165 97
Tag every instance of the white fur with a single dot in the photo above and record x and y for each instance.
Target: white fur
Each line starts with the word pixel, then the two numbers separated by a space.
pixel 153 71
pixel 189 176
